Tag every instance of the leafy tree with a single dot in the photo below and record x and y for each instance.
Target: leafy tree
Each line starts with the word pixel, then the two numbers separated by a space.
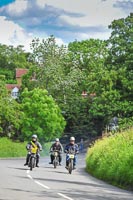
pixel 89 56
pixel 40 115
pixel 12 58
pixel 120 60
pixel 9 112
pixel 64 73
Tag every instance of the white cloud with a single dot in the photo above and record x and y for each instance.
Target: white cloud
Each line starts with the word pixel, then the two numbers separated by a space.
pixel 95 12
pixel 97 35
pixel 66 19
pixel 13 34
pixel 17 7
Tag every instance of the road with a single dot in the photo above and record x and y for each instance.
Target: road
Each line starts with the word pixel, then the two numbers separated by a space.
pixel 18 183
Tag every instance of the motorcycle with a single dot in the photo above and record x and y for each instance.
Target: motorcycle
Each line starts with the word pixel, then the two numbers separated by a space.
pixel 70 160
pixel 32 159
pixel 56 158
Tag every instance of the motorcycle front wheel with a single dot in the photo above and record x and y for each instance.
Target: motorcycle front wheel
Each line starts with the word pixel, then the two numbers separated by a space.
pixel 55 163
pixel 32 163
pixel 70 166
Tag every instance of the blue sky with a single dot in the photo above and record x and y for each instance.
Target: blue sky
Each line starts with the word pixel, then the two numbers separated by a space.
pixel 67 20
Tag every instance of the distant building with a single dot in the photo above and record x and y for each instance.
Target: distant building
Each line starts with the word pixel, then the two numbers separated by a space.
pixel 19 74
pixel 14 88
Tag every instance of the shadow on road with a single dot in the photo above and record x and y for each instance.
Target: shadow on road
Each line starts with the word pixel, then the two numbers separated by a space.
pixel 18 168
pixel 69 182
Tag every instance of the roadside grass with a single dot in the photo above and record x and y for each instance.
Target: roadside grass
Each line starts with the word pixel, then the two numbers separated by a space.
pixel 111 159
pixel 10 149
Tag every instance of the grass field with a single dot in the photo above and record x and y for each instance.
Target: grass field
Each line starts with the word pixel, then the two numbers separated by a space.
pixel 10 149
pixel 111 159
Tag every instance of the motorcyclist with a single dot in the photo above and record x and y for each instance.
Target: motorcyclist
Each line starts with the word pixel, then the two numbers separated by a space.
pixel 56 146
pixel 33 144
pixel 74 147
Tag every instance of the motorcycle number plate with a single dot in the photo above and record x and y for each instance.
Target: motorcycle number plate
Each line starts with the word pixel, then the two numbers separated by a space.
pixel 71 156
pixel 55 153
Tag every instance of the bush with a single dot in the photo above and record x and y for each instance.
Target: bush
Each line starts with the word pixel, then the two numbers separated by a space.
pixel 111 159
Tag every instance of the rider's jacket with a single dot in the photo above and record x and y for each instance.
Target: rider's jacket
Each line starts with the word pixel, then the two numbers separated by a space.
pixel 56 147
pixel 73 147
pixel 32 144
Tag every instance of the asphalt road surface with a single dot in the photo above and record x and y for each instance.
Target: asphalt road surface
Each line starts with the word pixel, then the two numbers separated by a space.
pixel 46 183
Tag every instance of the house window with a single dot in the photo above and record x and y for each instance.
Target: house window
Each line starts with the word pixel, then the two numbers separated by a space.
pixel 15 93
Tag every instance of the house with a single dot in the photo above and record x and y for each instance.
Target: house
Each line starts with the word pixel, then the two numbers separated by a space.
pixel 14 88
pixel 19 74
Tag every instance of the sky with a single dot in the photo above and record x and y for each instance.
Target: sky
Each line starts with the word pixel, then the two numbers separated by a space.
pixel 68 20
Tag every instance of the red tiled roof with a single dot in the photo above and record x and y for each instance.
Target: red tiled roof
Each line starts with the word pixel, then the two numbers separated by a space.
pixel 20 72
pixel 12 86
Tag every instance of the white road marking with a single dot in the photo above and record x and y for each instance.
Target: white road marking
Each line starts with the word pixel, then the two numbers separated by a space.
pixel 30 176
pixel 64 196
pixel 46 187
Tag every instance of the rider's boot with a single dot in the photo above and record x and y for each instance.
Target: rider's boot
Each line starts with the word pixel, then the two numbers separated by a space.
pixel 27 160
pixel 74 166
pixel 67 164
pixel 25 164
pixel 37 161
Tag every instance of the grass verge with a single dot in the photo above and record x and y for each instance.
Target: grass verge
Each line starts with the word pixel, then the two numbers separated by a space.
pixel 8 148
pixel 111 159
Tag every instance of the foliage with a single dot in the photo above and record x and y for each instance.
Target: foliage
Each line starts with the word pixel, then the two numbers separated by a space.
pixel 111 159
pixel 103 69
pixel 40 115
pixel 120 60
pixel 9 112
pixel 12 58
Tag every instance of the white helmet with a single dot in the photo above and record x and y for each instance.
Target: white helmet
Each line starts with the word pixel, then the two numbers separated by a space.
pixel 34 136
pixel 72 138
pixel 57 140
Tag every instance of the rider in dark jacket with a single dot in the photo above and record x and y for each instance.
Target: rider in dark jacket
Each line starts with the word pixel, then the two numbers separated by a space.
pixel 33 144
pixel 74 147
pixel 57 146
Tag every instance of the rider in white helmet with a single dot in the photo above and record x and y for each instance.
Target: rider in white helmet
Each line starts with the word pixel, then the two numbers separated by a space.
pixel 57 146
pixel 30 145
pixel 71 146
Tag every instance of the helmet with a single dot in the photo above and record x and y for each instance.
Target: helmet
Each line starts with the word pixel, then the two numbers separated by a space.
pixel 57 140
pixel 72 138
pixel 34 136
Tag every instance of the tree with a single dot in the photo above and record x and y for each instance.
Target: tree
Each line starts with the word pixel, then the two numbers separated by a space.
pixel 9 112
pixel 120 60
pixel 64 73
pixel 12 58
pixel 40 115
pixel 89 56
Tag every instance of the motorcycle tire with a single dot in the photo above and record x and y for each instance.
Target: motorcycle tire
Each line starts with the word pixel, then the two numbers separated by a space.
pixel 32 163
pixel 55 163
pixel 70 166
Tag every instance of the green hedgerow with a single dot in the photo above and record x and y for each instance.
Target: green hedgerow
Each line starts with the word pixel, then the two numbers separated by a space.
pixel 111 159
